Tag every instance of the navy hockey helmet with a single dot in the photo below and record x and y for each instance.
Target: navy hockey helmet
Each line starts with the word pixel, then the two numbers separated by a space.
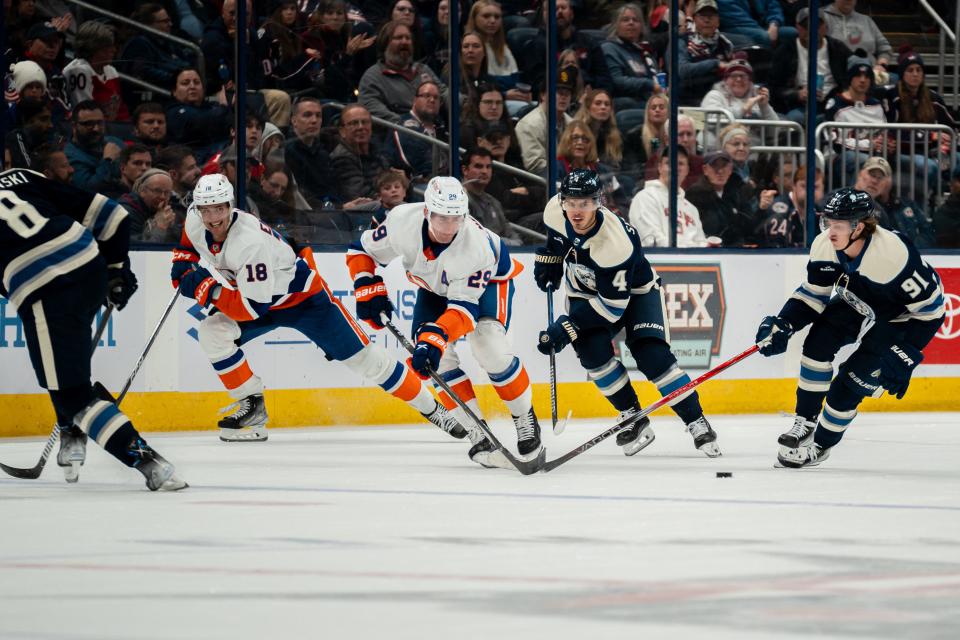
pixel 850 204
pixel 580 183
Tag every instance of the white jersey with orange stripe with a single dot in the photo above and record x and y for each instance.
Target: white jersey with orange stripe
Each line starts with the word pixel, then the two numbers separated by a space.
pixel 256 261
pixel 459 271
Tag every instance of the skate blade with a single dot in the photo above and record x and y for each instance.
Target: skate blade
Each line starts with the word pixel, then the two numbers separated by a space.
pixel 533 455
pixel 173 484
pixel 644 440
pixel 492 460
pixel 711 450
pixel 71 472
pixel 256 434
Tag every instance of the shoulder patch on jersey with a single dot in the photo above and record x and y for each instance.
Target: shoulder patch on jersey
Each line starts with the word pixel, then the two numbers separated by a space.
pixel 553 217
pixel 830 103
pixel 885 257
pixel 822 250
pixel 611 246
pixel 780 207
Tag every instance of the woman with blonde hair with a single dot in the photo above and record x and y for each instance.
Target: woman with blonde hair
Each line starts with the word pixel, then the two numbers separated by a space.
pixel 597 113
pixel 577 149
pixel 486 18
pixel 630 59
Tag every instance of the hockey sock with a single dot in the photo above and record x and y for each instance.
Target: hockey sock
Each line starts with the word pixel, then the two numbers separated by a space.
pixel 838 413
pixel 236 375
pixel 104 422
pixel 613 382
pixel 673 378
pixel 404 384
pixel 513 386
pixel 815 377
pixel 67 403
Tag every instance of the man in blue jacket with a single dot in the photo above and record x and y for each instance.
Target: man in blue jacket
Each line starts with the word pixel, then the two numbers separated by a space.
pixel 754 22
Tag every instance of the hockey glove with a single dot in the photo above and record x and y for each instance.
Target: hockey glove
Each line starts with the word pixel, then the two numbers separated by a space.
pixel 372 300
pixel 896 366
pixel 773 335
pixel 183 262
pixel 547 269
pixel 431 341
pixel 121 284
pixel 199 285
pixel 557 336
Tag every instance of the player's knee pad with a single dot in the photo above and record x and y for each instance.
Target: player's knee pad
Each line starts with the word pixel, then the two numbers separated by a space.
pixel 594 348
pixel 490 346
pixel 218 335
pixel 372 362
pixel 67 403
pixel 653 356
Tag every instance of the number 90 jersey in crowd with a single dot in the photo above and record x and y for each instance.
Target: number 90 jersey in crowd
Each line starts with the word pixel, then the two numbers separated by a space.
pixel 260 266
pixel 49 230
pixel 604 266
pixel 460 271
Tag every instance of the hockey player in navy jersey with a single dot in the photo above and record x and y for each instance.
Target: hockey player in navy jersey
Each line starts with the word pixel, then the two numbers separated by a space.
pixel 610 286
pixel 63 253
pixel 264 284
pixel 885 291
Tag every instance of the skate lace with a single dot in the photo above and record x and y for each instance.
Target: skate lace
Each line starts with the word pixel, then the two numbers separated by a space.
pixel 625 415
pixel 525 427
pixel 799 428
pixel 698 427
pixel 444 419
pixel 474 434
pixel 244 404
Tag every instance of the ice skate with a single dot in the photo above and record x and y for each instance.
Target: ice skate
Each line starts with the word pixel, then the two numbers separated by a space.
pixel 704 437
pixel 446 421
pixel 73 451
pixel 159 474
pixel 248 423
pixel 810 455
pixel 483 453
pixel 528 435
pixel 637 436
pixel 799 435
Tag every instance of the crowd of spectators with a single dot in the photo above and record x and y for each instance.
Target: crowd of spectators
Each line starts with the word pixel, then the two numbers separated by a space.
pixel 322 73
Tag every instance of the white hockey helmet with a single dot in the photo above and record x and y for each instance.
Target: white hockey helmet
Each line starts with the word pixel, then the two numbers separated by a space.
pixel 445 196
pixel 213 189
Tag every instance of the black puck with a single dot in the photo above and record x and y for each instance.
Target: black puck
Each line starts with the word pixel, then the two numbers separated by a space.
pixel 724 474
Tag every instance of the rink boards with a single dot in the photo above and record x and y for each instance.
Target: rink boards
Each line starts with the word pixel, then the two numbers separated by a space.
pixel 713 304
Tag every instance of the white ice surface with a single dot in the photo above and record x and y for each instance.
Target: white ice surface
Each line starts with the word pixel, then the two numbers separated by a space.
pixel 390 532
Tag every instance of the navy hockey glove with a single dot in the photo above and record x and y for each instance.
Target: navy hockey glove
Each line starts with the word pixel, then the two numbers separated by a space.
pixel 547 269
pixel 372 300
pixel 198 284
pixel 557 336
pixel 897 365
pixel 431 342
pixel 121 284
pixel 777 331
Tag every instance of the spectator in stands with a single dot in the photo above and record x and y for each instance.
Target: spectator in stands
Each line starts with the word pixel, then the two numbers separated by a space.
pixel 590 58
pixel 784 220
pixel 274 200
pixel 724 204
pixel 912 101
pixel 532 128
pixel 153 58
pixel 392 186
pixel 34 129
pixel 735 140
pixel 644 143
pixel 93 156
pixel 253 135
pixel 522 200
pixel 271 139
pixel 906 216
pixel 855 105
pixel 704 54
pixel 44 45
pixel 150 126
pixel 754 22
pixel 577 149
pixel 424 117
pixel 473 67
pixel 195 122
pixel 28 80
pixel 477 171
pixel 479 113
pixel 134 161
pixel 438 58
pixel 738 95
pixel 687 138
pixel 280 47
pixel 53 163
pixel 90 76
pixel 597 113
pixel 486 18
pixel 650 209
pixel 789 84
pixel 228 167
pixel 405 12
pixel 151 217
pixel 341 51
pixel 180 163
pixel 305 155
pixel 858 31
pixel 21 15
pixel 388 88
pixel 946 219
pixel 357 161
pixel 630 60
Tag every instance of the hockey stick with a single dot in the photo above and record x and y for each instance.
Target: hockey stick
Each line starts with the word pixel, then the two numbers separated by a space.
pixel 34 472
pixel 665 400
pixel 526 467
pixel 557 428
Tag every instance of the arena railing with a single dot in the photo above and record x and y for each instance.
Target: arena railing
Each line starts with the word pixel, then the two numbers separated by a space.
pixel 944 33
pixel 908 160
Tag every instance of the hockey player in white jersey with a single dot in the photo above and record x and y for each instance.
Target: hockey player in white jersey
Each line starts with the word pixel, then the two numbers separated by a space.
pixel 464 274
pixel 885 291
pixel 268 285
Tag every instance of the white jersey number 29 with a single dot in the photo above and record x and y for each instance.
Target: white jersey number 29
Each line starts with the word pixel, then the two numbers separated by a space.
pixel 21 216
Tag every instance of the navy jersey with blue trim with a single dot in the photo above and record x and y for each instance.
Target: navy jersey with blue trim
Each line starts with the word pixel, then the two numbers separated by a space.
pixel 889 281
pixel 49 230
pixel 603 267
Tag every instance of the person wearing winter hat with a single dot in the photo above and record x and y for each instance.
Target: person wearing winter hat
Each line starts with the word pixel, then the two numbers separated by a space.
pixel 29 80
pixel 855 105
pixel 737 94
pixel 912 101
